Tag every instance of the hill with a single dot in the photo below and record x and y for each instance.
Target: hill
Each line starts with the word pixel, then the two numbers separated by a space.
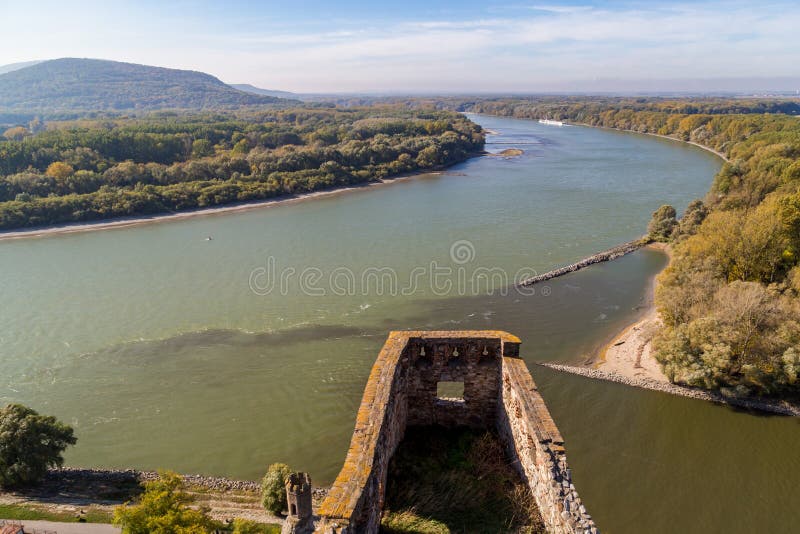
pixel 247 88
pixel 91 84
pixel 16 66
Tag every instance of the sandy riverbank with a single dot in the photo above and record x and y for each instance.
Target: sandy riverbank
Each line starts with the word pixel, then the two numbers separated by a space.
pixel 507 153
pixel 629 359
pixel 630 353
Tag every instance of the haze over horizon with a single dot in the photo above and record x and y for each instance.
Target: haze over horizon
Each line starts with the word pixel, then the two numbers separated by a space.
pixel 423 47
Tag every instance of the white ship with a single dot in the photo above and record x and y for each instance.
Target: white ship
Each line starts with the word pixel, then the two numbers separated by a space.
pixel 551 123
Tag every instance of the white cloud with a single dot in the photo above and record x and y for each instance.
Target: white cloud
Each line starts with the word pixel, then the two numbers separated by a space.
pixel 525 49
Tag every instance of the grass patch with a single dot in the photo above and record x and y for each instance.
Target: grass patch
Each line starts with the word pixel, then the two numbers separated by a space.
pixel 251 527
pixel 455 481
pixel 21 512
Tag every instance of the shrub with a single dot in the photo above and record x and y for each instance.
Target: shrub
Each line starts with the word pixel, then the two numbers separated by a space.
pixel 30 444
pixel 662 223
pixel 163 509
pixel 273 488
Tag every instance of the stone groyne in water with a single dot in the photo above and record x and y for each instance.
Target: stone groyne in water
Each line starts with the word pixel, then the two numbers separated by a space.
pixel 606 255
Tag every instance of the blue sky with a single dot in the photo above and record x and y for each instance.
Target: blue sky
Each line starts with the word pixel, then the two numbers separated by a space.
pixel 418 46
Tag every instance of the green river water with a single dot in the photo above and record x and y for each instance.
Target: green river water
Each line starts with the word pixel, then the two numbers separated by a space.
pixel 165 349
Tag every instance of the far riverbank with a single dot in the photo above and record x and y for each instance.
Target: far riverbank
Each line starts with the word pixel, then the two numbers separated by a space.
pixel 138 220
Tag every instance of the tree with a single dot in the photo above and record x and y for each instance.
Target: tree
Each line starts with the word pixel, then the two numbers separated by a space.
pixel 59 170
pixel 17 133
pixel 273 488
pixel 693 217
pixel 241 148
pixel 662 223
pixel 202 148
pixel 163 509
pixel 30 444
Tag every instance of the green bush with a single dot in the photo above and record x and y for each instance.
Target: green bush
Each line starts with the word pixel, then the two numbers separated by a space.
pixel 662 224
pixel 163 509
pixel 273 488
pixel 30 444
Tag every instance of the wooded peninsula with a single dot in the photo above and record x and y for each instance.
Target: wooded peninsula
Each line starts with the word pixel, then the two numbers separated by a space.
pixel 730 299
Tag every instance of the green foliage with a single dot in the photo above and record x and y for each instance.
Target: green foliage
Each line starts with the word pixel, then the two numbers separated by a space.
pixel 662 223
pixel 696 212
pixel 273 488
pixel 30 444
pixel 243 526
pixel 86 170
pixel 163 508
pixel 201 148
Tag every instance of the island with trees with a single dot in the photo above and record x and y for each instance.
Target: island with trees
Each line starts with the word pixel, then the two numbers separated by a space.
pixel 91 169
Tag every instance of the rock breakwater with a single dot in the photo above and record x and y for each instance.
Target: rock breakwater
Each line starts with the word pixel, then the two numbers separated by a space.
pixel 775 406
pixel 606 255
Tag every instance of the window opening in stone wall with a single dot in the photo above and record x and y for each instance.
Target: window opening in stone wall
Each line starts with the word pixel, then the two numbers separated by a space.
pixel 450 390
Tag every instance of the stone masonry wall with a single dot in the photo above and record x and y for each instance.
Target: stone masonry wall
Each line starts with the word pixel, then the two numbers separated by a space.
pixel 537 448
pixel 498 392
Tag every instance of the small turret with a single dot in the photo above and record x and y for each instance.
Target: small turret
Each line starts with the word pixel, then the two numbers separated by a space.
pixel 298 495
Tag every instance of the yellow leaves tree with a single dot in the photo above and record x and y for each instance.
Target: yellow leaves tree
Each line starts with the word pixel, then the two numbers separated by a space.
pixel 59 170
pixel 163 508
pixel 743 244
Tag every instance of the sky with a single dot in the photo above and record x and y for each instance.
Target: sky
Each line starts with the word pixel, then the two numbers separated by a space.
pixel 415 46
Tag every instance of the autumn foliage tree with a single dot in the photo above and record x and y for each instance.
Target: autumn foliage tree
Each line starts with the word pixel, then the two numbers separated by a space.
pixel 59 170
pixel 16 133
pixel 163 508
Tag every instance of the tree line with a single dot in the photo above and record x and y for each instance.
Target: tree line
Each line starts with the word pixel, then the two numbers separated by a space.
pixel 82 170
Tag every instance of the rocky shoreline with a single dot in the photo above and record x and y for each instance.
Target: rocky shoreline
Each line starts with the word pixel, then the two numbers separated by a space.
pixel 112 476
pixel 749 403
pixel 72 491
pixel 606 255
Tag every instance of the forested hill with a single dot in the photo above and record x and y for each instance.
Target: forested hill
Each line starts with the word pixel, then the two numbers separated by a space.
pixel 92 84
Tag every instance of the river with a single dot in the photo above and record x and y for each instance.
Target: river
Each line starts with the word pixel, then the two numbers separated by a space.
pixel 165 349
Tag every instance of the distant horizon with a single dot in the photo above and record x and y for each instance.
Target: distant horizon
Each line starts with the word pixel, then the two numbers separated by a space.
pixel 465 47
pixel 765 86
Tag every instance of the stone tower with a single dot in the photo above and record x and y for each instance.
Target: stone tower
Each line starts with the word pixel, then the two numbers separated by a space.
pixel 298 495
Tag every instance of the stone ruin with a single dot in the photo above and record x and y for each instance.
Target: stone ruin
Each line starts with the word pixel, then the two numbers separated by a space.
pixel 498 393
pixel 298 499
